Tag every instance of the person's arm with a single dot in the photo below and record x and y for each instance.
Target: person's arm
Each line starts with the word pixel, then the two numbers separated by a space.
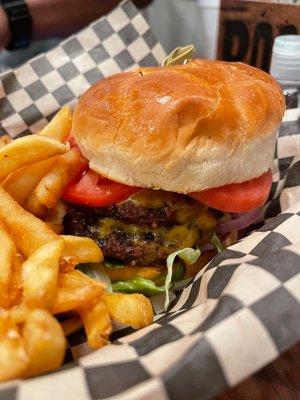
pixel 58 18
pixel 4 30
pixel 62 17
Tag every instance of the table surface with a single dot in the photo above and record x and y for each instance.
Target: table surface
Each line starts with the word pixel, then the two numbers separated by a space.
pixel 277 381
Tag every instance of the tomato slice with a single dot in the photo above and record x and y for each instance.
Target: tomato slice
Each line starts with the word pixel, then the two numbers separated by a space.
pixel 91 189
pixel 237 197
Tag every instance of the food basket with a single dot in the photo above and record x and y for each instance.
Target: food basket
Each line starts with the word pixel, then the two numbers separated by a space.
pixel 237 315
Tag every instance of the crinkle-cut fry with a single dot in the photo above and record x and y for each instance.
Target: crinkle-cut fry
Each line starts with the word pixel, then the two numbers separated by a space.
pixel 96 321
pixel 8 253
pixel 60 125
pixel 34 206
pixel 83 248
pixel 5 140
pixel 40 273
pixel 74 290
pixel 44 342
pixel 129 309
pixel 27 231
pixel 71 325
pixel 27 150
pixel 21 183
pixel 13 357
pixel 65 169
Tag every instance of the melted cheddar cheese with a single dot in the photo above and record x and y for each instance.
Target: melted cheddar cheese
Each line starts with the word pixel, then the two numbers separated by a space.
pixel 193 224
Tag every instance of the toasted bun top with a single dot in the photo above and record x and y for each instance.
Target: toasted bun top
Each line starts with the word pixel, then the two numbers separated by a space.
pixel 181 128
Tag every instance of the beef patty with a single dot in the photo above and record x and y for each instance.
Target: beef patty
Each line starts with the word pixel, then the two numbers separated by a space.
pixel 142 231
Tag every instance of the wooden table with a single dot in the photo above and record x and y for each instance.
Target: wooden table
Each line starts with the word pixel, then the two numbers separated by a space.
pixel 278 381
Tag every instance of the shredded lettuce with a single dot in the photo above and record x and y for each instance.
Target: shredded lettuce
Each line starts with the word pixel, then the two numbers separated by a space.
pixel 146 286
pixel 215 240
pixel 179 272
pixel 138 285
pixel 97 272
pixel 177 275
pixel 189 256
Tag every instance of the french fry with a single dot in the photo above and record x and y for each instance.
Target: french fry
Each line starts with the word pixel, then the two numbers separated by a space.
pixel 67 263
pixel 60 125
pixel 54 217
pixel 35 207
pixel 44 342
pixel 13 357
pixel 4 140
pixel 8 253
pixel 71 325
pixel 19 313
pixel 74 290
pixel 84 249
pixel 97 323
pixel 39 273
pixel 27 231
pixel 56 228
pixel 21 183
pixel 28 150
pixel 79 250
pixel 37 266
pixel 16 289
pixel 66 168
pixel 129 309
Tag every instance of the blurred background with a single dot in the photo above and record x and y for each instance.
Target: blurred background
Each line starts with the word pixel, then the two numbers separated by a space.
pixel 235 30
pixel 227 29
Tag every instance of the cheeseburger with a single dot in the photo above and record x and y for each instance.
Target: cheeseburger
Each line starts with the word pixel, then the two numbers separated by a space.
pixel 178 157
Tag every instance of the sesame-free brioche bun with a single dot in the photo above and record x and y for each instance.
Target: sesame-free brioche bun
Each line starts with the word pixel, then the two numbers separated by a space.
pixel 182 128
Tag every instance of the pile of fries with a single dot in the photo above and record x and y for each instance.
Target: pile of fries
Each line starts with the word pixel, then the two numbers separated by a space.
pixel 38 279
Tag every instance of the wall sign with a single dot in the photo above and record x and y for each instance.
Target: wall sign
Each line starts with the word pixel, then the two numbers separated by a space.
pixel 248 29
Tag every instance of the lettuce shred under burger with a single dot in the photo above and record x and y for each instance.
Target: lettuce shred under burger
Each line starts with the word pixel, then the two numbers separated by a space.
pixel 151 242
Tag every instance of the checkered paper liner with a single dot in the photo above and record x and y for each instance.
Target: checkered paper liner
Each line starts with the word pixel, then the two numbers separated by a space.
pixel 31 94
pixel 239 313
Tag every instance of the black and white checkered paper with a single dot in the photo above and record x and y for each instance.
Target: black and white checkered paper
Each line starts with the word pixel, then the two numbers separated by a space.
pixel 31 94
pixel 239 313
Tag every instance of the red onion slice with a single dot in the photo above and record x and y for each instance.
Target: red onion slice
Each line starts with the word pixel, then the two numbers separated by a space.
pixel 239 223
pixel 207 247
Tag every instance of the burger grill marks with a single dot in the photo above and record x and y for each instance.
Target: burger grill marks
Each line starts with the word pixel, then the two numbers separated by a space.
pixel 129 212
pixel 146 228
